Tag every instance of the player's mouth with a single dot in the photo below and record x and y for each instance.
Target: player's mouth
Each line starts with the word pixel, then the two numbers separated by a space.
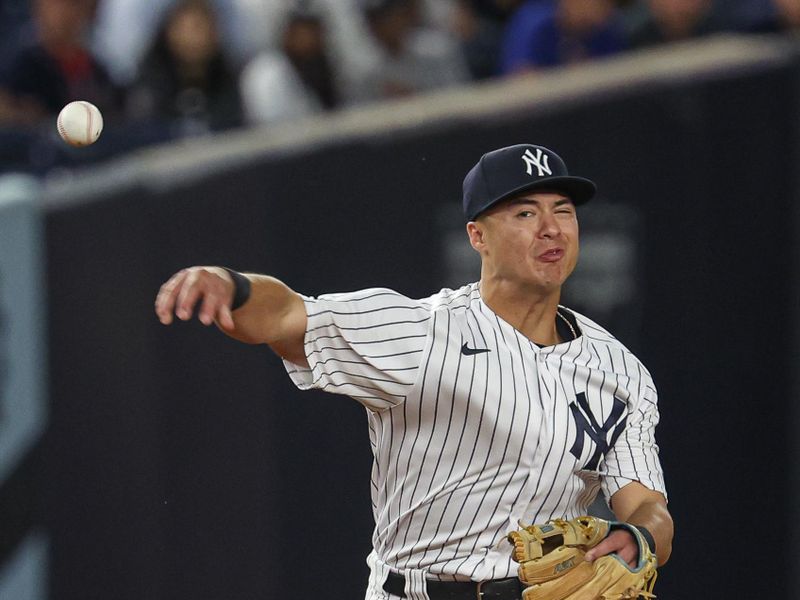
pixel 551 255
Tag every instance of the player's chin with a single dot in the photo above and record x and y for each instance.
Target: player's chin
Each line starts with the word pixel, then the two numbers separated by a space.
pixel 559 271
pixel 545 284
pixel 551 276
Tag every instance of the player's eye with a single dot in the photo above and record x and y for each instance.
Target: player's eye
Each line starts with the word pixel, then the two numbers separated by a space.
pixel 525 213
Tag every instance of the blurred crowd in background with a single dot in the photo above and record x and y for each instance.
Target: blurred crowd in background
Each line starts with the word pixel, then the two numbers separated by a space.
pixel 168 69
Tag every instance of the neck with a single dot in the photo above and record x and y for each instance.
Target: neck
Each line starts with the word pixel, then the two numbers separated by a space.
pixel 531 311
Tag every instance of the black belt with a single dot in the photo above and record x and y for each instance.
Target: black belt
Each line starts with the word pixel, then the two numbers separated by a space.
pixel 495 589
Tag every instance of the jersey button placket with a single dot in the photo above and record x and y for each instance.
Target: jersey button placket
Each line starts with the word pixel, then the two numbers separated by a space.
pixel 539 432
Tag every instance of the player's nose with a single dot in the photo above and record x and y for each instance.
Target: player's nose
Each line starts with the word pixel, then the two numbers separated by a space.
pixel 548 225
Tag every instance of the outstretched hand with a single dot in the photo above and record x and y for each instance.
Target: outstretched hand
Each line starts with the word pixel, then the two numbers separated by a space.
pixel 210 290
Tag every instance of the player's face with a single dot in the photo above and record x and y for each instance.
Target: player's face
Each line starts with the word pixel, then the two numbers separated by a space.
pixel 530 240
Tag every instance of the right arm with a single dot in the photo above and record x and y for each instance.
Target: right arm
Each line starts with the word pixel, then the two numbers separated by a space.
pixel 274 314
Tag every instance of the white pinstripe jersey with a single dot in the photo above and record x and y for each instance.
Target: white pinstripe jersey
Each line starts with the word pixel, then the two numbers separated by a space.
pixel 474 427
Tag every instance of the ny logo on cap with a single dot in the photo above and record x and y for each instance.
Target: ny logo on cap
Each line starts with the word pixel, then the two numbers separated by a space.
pixel 536 160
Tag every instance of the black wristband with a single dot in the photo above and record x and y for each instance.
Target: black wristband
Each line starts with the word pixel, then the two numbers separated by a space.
pixel 651 542
pixel 241 288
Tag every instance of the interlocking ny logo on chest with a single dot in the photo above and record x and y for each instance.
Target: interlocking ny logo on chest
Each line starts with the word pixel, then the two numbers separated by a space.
pixel 586 425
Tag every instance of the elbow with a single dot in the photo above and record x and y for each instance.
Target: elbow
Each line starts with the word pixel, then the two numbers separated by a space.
pixel 664 550
pixel 663 555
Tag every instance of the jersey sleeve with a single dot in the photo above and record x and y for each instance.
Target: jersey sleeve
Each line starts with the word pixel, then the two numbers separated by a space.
pixel 634 456
pixel 367 345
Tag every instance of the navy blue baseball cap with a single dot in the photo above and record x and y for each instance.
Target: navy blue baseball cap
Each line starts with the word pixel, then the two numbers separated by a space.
pixel 508 171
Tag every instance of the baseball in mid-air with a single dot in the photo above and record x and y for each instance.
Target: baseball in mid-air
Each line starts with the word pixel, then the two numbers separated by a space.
pixel 79 123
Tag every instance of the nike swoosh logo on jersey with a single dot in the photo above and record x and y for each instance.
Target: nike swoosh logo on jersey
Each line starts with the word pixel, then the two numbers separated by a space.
pixel 467 351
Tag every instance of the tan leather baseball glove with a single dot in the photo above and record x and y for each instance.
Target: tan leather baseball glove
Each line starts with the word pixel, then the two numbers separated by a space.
pixel 552 566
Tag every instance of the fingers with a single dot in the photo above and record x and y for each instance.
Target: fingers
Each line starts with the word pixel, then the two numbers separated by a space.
pixel 225 318
pixel 212 308
pixel 165 300
pixel 630 556
pixel 197 289
pixel 619 542
pixel 191 291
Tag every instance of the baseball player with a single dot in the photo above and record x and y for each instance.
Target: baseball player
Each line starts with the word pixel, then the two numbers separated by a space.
pixel 488 405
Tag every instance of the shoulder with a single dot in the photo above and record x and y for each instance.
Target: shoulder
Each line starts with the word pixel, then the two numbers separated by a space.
pixel 378 298
pixel 453 299
pixel 592 329
pixel 603 342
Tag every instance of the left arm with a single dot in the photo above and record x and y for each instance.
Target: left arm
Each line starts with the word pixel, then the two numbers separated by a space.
pixel 638 505
pixel 633 481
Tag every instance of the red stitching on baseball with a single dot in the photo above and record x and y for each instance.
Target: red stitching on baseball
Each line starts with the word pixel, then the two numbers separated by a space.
pixel 88 122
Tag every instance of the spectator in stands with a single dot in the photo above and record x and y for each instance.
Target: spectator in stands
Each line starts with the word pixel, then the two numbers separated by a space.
pixel 410 57
pixel 787 14
pixel 126 29
pixel 185 80
pixel 297 79
pixel 781 16
pixel 550 33
pixel 55 67
pixel 480 25
pixel 15 16
pixel 653 22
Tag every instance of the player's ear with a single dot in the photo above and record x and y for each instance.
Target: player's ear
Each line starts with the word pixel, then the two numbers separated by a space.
pixel 476 233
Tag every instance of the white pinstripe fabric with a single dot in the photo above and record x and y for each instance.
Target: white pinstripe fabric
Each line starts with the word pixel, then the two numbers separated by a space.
pixel 415 584
pixel 378 570
pixel 465 445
